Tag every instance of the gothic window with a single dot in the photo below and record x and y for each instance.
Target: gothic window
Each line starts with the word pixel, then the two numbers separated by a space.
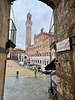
pixel 45 62
pixel 29 18
pixel 37 40
pixel 47 53
pixel 40 61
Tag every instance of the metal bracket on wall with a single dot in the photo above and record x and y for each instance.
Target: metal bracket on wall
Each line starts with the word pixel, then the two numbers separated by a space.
pixel 73 40
pixel 73 44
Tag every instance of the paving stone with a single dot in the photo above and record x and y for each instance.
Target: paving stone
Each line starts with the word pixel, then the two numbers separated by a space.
pixel 27 88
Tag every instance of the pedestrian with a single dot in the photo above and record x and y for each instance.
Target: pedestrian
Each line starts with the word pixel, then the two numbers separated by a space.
pixel 17 74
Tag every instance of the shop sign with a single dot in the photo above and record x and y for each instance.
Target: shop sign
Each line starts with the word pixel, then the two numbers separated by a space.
pixel 63 45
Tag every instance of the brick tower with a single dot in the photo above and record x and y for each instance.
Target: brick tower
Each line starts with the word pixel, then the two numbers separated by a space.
pixel 28 30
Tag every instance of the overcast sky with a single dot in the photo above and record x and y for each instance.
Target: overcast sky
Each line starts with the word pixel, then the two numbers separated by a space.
pixel 41 15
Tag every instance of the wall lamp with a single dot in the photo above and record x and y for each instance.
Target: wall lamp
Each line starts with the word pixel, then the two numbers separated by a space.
pixel 57 63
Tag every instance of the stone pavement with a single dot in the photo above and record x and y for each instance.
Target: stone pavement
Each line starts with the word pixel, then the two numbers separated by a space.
pixel 27 88
pixel 13 66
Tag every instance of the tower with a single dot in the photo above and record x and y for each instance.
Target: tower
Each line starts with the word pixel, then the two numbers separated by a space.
pixel 28 30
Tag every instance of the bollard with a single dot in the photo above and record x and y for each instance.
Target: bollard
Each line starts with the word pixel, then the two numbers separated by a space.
pixel 17 74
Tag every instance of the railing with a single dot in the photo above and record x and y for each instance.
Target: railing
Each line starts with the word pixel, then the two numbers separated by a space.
pixel 12 32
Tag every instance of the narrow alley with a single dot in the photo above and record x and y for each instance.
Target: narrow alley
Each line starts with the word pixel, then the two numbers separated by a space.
pixel 27 86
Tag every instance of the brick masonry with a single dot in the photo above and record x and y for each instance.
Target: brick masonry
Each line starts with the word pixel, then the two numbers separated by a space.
pixel 41 44
pixel 66 70
pixel 15 52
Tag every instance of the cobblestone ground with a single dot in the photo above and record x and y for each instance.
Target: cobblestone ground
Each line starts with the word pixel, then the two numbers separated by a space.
pixel 27 88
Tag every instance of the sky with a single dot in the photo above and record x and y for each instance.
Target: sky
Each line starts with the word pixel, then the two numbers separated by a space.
pixel 41 16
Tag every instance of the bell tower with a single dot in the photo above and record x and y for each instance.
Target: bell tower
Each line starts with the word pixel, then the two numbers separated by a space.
pixel 28 30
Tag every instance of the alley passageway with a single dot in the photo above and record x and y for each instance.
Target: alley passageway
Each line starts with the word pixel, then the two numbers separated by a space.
pixel 27 86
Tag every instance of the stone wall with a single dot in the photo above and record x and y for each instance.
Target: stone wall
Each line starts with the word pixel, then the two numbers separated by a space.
pixel 65 29
pixel 66 69
pixel 4 16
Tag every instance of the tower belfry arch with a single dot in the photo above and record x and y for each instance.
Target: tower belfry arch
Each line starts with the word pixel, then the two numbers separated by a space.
pixel 65 29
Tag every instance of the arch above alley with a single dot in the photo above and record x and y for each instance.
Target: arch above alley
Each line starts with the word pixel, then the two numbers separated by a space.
pixel 51 3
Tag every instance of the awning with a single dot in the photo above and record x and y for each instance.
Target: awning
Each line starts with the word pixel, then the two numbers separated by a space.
pixel 51 66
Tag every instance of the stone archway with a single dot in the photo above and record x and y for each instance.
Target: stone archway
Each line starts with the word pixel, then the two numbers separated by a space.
pixel 64 29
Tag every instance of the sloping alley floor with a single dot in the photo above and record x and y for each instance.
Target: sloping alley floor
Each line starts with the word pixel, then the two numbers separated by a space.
pixel 27 88
pixel 12 67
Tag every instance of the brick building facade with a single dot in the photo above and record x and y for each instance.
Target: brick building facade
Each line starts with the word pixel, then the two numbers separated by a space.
pixel 39 53
pixel 16 52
